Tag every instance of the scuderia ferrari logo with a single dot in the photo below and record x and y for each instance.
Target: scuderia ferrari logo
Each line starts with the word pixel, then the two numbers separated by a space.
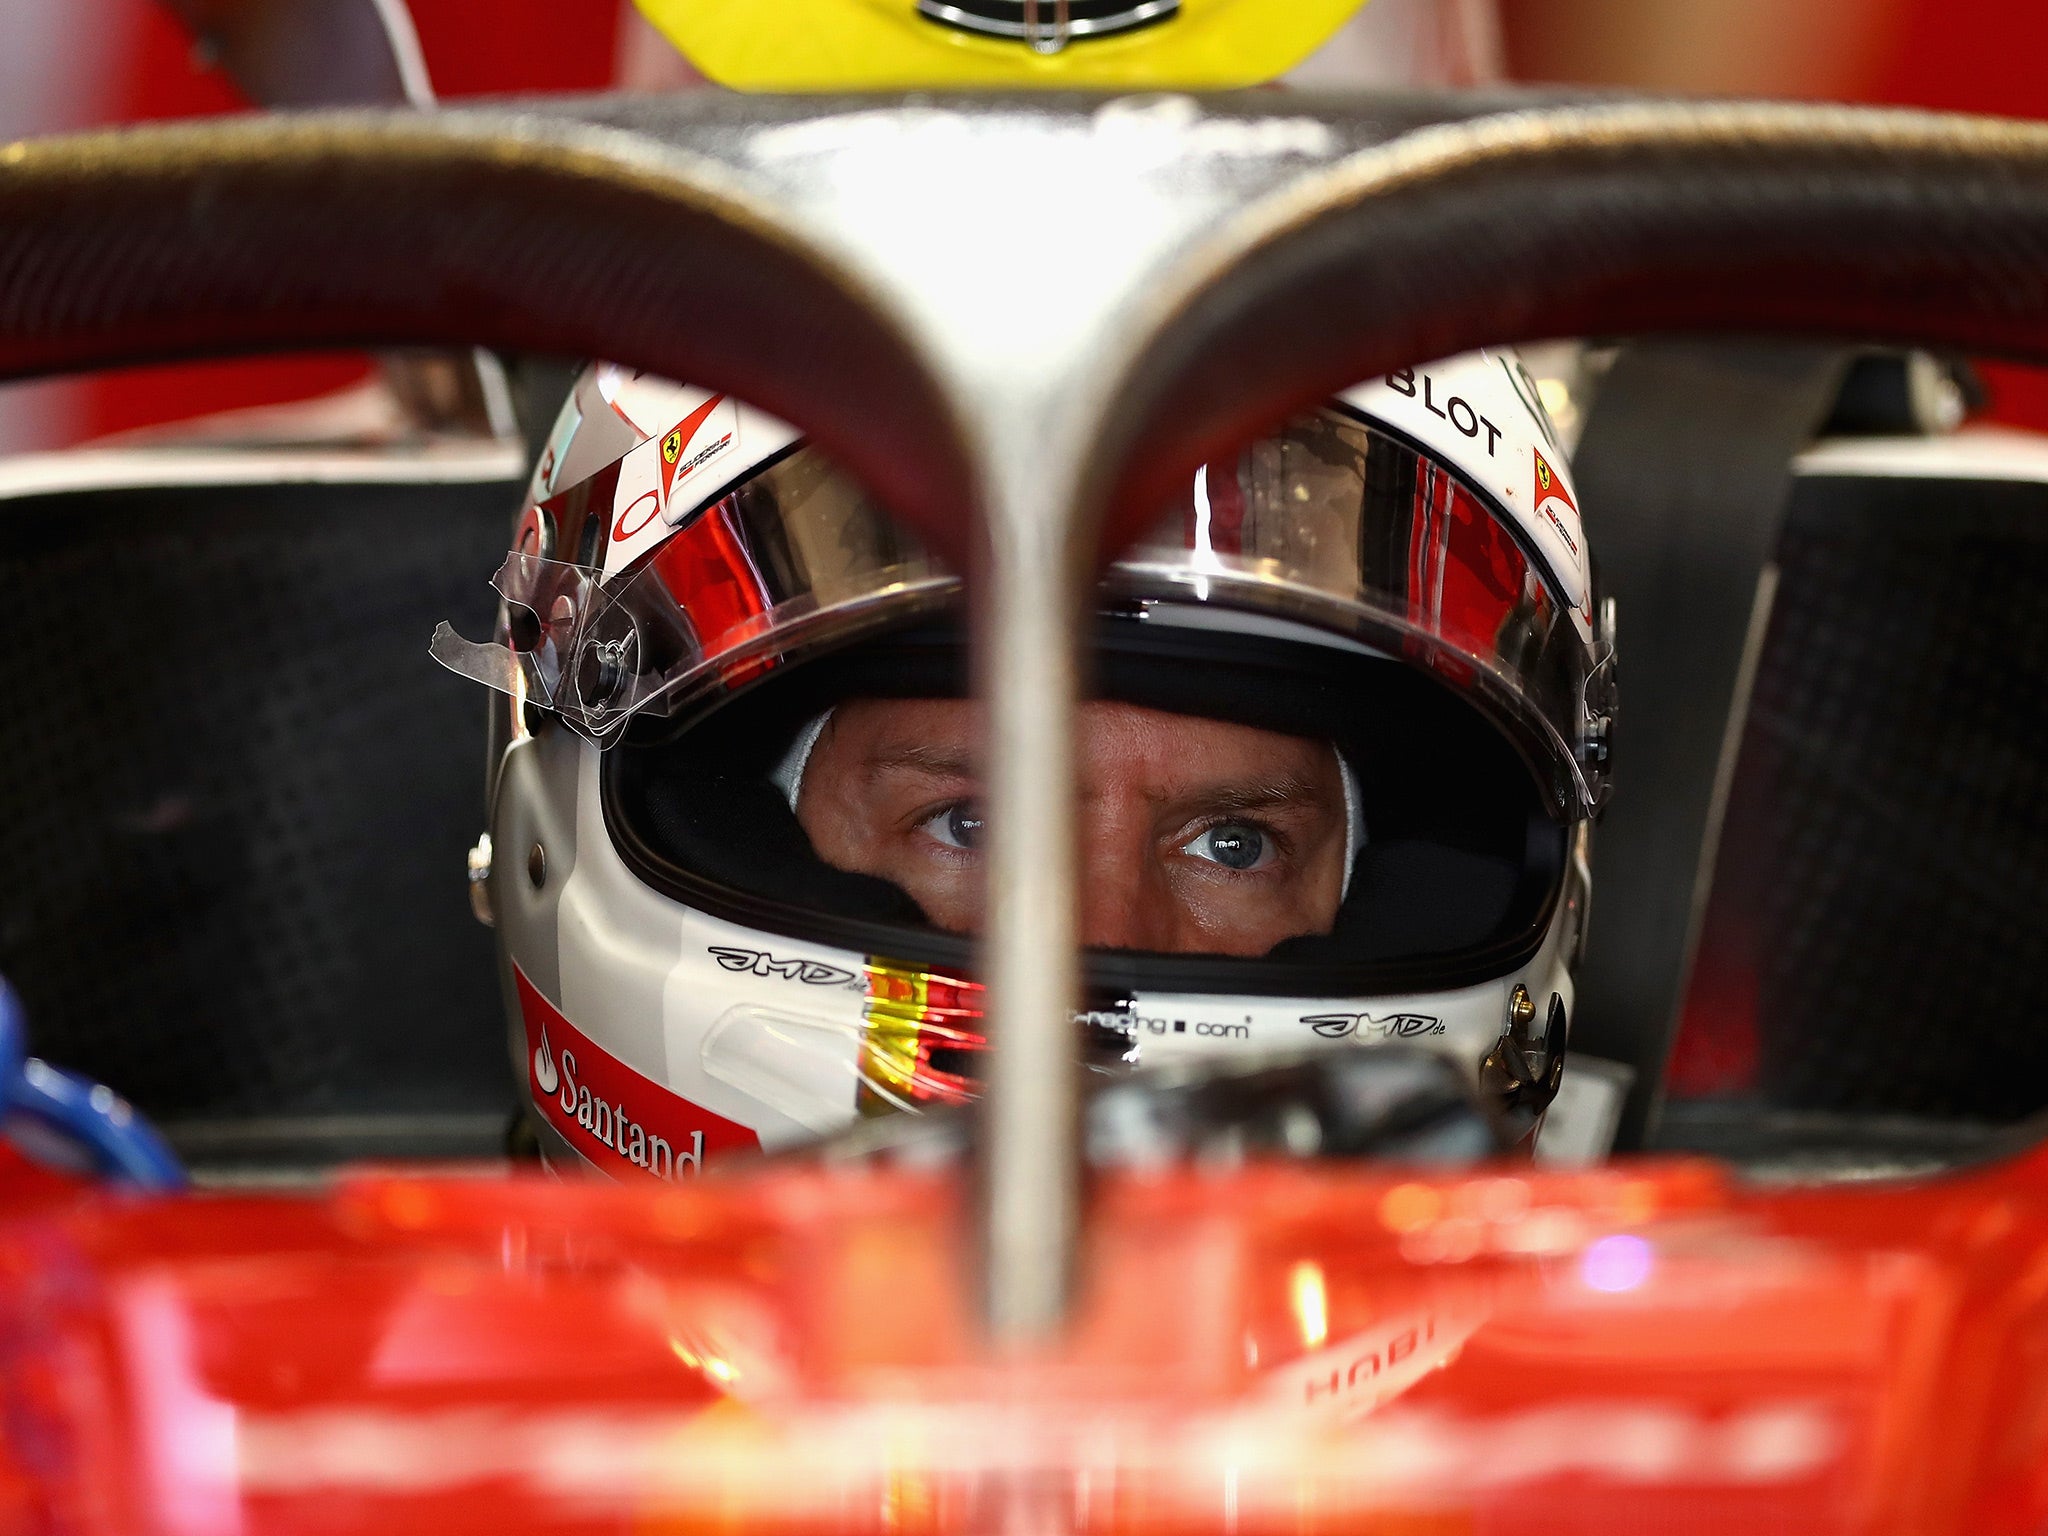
pixel 672 446
pixel 1547 483
pixel 1550 491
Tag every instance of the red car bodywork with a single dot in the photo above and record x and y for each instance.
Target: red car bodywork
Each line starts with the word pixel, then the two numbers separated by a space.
pixel 1646 1348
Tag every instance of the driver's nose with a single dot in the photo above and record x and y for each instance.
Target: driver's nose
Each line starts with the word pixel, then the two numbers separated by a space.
pixel 1126 902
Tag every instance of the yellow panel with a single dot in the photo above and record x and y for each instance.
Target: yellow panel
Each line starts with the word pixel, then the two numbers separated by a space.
pixel 822 45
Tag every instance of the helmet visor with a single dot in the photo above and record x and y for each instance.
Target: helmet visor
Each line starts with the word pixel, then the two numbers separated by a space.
pixel 793 560
pixel 1348 528
pixel 1331 522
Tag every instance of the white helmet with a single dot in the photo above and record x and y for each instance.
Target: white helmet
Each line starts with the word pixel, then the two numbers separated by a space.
pixel 1402 573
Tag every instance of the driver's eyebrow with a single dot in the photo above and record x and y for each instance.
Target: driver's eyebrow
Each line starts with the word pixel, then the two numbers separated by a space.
pixel 1256 795
pixel 934 762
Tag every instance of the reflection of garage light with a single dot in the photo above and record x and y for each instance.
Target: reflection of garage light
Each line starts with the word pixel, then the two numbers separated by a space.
pixel 1617 1263
pixel 1406 1207
pixel 720 1371
pixel 1311 1303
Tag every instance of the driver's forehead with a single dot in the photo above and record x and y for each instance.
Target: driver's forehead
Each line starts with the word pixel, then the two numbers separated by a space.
pixel 944 735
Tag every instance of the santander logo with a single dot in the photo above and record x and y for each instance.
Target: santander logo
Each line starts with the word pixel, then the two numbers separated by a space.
pixel 544 1076
pixel 619 1120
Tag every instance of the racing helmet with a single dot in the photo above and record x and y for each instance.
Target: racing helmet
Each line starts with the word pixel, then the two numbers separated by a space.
pixel 693 586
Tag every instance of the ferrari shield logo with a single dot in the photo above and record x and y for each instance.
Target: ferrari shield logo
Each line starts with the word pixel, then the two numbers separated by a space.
pixel 1547 483
pixel 710 429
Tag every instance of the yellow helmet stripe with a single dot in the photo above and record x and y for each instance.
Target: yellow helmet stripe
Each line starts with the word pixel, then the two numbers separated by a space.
pixel 824 45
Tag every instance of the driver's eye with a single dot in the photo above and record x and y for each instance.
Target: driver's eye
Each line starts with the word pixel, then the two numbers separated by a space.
pixel 1231 844
pixel 957 826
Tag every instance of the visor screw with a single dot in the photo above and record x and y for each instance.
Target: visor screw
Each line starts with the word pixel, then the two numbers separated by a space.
pixel 1593 747
pixel 537 866
pixel 1521 1012
pixel 601 673
pixel 479 872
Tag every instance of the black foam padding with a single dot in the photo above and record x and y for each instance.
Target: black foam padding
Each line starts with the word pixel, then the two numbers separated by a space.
pixel 1878 904
pixel 1684 471
pixel 1414 897
pixel 238 793
pixel 737 830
